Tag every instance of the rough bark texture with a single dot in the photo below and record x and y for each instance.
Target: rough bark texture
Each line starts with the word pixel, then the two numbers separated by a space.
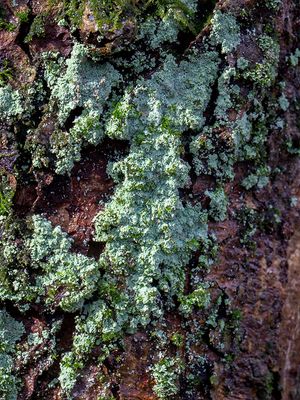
pixel 245 342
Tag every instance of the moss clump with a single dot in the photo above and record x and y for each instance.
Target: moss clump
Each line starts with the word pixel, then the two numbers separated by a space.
pixel 264 73
pixel 23 16
pixel 37 28
pixel 6 72
pixel 6 196
pixel 198 299
pixel 111 15
pixel 4 24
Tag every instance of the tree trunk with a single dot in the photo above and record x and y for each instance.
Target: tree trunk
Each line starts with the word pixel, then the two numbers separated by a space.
pixel 150 197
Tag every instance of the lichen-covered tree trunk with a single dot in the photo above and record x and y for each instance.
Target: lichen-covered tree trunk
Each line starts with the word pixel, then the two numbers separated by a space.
pixel 150 198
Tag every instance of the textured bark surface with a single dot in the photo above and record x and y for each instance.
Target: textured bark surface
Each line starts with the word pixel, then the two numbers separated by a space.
pixel 254 283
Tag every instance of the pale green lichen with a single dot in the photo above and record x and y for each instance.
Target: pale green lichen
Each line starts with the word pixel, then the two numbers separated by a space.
pixel 198 299
pixel 74 275
pixel 294 58
pixel 260 178
pixel 283 102
pixel 242 63
pixel 149 233
pixel 61 278
pixel 264 73
pixel 10 103
pixel 84 85
pixel 227 93
pixel 217 148
pixel 166 375
pixel 218 204
pixel 274 4
pixel 150 230
pixel 11 332
pixel 157 31
pixel 15 282
pixel 225 31
pixel 163 96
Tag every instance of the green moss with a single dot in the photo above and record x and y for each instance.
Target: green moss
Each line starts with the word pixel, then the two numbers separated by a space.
pixel 37 28
pixel 23 16
pixel 112 15
pixel 5 72
pixel 177 339
pixel 264 73
pixel 4 24
pixel 199 298
pixel 72 10
pixel 6 196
